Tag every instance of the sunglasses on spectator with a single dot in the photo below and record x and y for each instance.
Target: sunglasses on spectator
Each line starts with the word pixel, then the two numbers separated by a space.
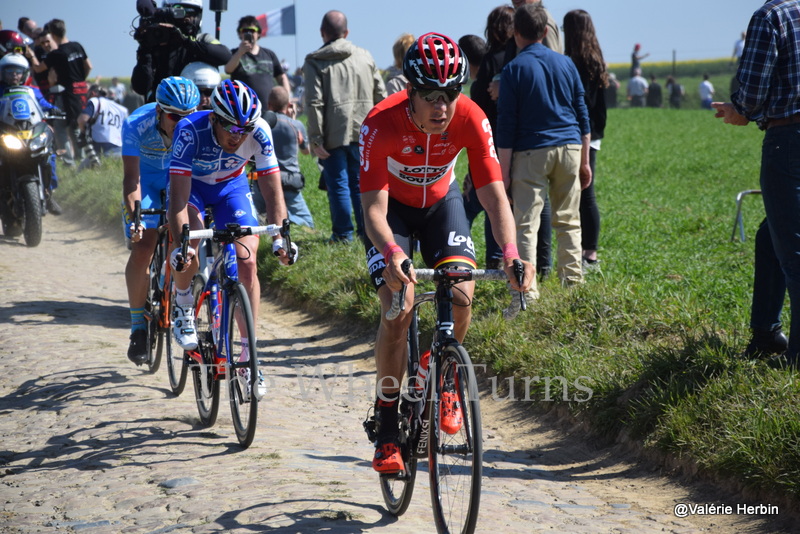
pixel 249 30
pixel 235 129
pixel 433 95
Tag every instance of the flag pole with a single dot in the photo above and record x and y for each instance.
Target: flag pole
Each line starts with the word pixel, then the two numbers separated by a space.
pixel 296 50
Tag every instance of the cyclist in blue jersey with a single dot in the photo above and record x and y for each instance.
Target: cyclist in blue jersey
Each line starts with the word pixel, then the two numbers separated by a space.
pixel 146 153
pixel 211 151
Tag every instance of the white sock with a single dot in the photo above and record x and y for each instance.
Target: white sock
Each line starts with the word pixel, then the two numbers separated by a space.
pixel 184 297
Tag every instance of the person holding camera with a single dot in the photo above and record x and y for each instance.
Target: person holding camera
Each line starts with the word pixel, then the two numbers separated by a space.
pixel 169 40
pixel 258 67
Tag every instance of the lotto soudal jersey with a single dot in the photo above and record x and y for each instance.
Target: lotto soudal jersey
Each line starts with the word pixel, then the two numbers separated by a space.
pixel 196 153
pixel 140 138
pixel 417 168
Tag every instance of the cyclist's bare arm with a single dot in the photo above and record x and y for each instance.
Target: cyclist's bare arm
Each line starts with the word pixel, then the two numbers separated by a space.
pixel 375 205
pixel 131 190
pixel 493 198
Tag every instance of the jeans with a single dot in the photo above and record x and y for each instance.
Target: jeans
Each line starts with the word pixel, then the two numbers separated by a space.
pixel 298 209
pixel 590 213
pixel 769 284
pixel 340 171
pixel 780 190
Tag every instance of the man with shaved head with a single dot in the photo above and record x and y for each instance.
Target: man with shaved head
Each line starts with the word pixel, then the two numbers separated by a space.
pixel 342 84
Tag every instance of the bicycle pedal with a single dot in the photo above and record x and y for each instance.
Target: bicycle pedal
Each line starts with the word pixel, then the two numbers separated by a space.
pixel 371 428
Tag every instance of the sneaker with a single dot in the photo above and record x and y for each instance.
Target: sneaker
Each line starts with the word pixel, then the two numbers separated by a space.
pixel 261 386
pixel 183 327
pixel 388 459
pixel 137 350
pixel 590 266
pixel 53 207
pixel 452 415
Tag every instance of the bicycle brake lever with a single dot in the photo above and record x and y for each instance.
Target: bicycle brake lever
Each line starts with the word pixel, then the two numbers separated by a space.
pixel 184 248
pixel 519 274
pixel 287 241
pixel 399 297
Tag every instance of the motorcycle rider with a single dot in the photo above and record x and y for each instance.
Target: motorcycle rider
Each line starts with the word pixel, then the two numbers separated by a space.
pixel 14 70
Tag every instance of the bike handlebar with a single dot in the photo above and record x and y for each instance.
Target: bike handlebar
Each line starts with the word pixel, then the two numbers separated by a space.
pixel 454 274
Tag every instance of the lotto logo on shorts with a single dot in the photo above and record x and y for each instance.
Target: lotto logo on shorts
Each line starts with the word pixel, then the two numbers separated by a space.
pixel 454 240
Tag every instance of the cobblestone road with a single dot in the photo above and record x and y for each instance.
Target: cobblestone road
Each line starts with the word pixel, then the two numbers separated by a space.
pixel 90 443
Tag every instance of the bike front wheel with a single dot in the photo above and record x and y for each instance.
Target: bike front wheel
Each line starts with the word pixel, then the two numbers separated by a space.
pixel 243 373
pixel 177 368
pixel 455 450
pixel 204 374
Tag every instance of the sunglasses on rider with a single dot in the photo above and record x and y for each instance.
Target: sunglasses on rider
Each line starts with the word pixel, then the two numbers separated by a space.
pixel 175 117
pixel 433 95
pixel 235 129
pixel 18 50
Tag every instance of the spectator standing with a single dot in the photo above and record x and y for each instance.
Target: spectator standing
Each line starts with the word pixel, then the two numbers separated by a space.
pixel 101 122
pixel 159 58
pixel 612 90
pixel 256 66
pixel 581 45
pixel 738 48
pixel 475 48
pixel 637 89
pixel 395 80
pixel 768 76
pixel 290 137
pixel 26 27
pixel 543 122
pixel 485 93
pixel 119 90
pixel 342 84
pixel 706 90
pixel 69 67
pixel 675 91
pixel 636 59
pixel 655 96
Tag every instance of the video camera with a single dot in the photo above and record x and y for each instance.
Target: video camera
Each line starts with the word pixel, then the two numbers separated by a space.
pixel 150 32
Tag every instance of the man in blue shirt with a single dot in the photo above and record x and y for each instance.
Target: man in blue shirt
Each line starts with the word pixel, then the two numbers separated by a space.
pixel 769 94
pixel 543 142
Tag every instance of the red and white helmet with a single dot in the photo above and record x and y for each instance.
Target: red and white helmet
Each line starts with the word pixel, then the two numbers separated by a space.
pixel 435 61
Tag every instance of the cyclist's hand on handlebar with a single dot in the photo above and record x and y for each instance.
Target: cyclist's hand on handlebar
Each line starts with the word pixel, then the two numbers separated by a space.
pixel 527 278
pixel 394 275
pixel 278 248
pixel 136 232
pixel 178 262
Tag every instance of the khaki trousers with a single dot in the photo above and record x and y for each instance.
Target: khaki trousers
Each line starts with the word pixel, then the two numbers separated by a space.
pixel 553 171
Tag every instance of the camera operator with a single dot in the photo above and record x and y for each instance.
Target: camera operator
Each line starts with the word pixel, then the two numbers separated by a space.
pixel 254 65
pixel 168 41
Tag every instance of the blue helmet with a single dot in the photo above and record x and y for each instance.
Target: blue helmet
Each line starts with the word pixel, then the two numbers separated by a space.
pixel 236 103
pixel 178 95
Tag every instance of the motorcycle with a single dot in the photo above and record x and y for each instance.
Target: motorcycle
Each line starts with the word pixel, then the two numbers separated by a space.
pixel 26 146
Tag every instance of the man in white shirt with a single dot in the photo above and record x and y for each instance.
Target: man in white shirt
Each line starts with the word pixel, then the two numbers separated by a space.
pixel 637 89
pixel 706 93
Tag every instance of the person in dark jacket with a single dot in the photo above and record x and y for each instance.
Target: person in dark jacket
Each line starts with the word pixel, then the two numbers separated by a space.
pixel 164 50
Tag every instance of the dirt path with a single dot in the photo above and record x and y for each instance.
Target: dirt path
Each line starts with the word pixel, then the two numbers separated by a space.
pixel 90 443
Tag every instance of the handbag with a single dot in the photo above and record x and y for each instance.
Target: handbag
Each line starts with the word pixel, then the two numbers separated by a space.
pixel 294 181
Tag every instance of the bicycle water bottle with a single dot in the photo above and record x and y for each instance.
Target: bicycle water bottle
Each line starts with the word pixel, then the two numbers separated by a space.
pixel 161 274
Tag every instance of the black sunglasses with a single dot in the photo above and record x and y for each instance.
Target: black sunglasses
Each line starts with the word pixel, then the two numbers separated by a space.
pixel 433 95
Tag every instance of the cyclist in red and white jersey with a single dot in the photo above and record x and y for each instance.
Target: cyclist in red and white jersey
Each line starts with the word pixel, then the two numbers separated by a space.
pixel 409 144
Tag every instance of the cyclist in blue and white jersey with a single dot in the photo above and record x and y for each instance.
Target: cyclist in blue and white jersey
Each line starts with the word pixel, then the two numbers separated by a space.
pixel 146 153
pixel 211 151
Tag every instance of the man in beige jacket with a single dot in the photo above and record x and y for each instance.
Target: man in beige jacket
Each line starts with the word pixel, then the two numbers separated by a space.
pixel 342 84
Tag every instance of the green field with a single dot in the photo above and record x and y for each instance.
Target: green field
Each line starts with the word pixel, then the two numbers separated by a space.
pixel 647 351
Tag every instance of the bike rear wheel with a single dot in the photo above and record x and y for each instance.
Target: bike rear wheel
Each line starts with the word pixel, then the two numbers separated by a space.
pixel 206 385
pixel 243 376
pixel 177 366
pixel 455 451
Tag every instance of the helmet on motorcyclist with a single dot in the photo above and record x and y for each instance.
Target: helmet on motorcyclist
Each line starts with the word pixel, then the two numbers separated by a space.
pixel 189 14
pixel 202 74
pixel 234 102
pixel 14 69
pixel 178 95
pixel 11 42
pixel 436 62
